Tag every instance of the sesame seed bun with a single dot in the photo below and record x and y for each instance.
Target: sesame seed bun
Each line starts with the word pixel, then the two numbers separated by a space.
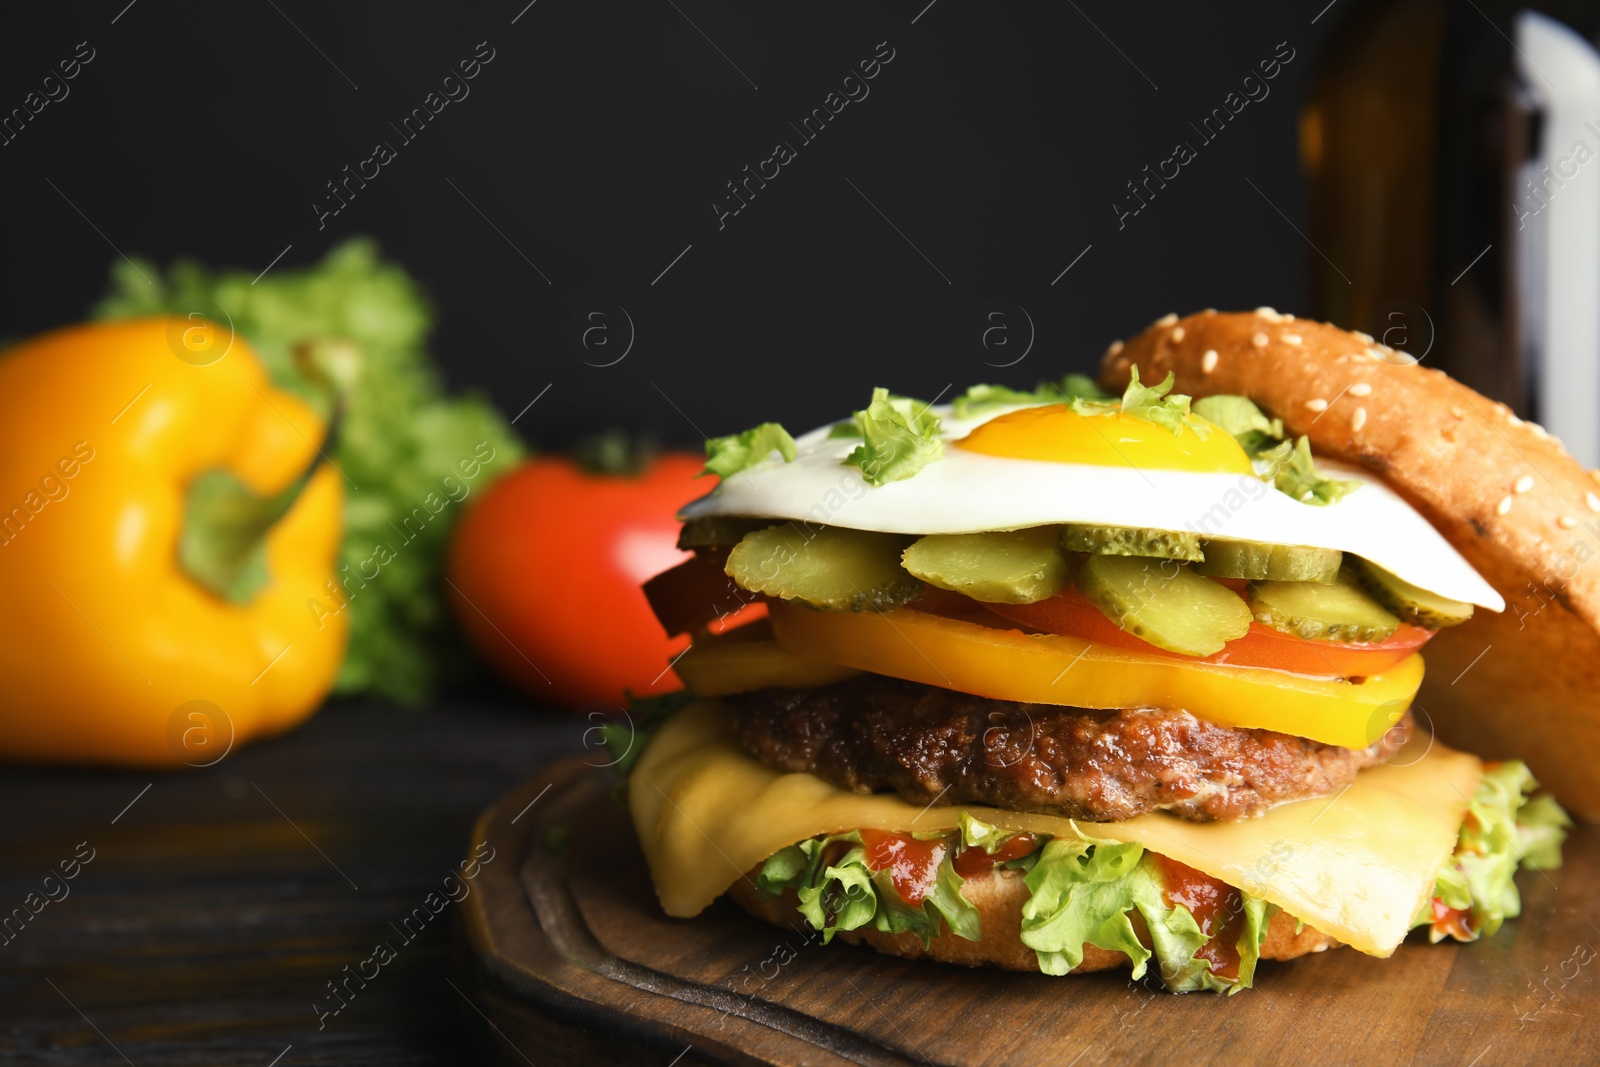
pixel 1524 683
pixel 999 895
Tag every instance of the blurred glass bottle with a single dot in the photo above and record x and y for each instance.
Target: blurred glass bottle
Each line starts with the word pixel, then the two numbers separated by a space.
pixel 1453 149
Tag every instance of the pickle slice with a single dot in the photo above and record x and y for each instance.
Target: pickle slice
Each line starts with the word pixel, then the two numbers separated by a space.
pixel 1277 563
pixel 1130 541
pixel 1010 567
pixel 1339 611
pixel 1411 603
pixel 1165 603
pixel 828 567
pixel 717 531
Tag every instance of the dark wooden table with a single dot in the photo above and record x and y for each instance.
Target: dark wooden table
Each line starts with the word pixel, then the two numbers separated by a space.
pixel 220 903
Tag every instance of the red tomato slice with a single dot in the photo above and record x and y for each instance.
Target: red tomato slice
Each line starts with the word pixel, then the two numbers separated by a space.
pixel 1074 614
pixel 697 593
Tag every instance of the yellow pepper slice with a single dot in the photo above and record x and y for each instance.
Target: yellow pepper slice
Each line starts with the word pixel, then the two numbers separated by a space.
pixel 1007 664
pixel 746 659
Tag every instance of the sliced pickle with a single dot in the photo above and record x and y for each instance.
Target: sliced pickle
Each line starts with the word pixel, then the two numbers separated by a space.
pixel 1277 563
pixel 717 531
pixel 1412 604
pixel 1130 541
pixel 1011 567
pixel 1340 611
pixel 1165 603
pixel 828 567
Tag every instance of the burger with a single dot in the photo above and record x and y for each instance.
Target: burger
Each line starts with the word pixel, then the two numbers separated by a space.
pixel 1125 673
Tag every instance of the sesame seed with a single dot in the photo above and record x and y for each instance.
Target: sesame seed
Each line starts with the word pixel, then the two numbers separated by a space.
pixel 1513 420
pixel 1267 312
pixel 1538 431
pixel 1364 338
pixel 1177 334
pixel 1292 338
pixel 1504 507
pixel 1359 419
pixel 1287 317
pixel 1209 311
pixel 1167 320
pixel 1593 501
pixel 1361 389
pixel 1458 413
pixel 1116 346
pixel 1208 362
pixel 1524 483
pixel 1566 522
pixel 1259 340
pixel 1317 404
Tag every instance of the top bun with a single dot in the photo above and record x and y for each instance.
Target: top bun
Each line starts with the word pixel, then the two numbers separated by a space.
pixel 1524 683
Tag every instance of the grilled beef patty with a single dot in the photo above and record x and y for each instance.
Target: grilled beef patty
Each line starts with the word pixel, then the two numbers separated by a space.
pixel 875 734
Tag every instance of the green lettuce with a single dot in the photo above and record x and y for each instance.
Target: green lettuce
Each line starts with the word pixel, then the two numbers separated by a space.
pixel 727 456
pixel 981 399
pixel 899 436
pixel 846 894
pixel 1291 469
pixel 1085 892
pixel 1157 404
pixel 361 324
pixel 1242 419
pixel 1288 465
pixel 1081 892
pixel 1503 830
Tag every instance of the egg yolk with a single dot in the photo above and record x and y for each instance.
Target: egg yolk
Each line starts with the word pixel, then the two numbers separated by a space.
pixel 1057 434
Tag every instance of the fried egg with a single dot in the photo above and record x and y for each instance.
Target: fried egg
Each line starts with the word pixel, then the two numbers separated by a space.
pixel 1037 465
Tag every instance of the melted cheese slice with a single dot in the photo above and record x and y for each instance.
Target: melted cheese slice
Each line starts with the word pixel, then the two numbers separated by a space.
pixel 1356 866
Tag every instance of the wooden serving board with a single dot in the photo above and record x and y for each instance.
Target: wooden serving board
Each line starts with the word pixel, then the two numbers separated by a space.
pixel 568 959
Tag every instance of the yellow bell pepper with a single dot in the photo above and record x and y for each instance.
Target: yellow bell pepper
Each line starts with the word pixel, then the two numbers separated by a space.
pixel 1002 662
pixel 112 650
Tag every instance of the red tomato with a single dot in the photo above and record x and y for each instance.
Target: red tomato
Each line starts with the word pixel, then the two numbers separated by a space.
pixel 698 593
pixel 546 572
pixel 1072 613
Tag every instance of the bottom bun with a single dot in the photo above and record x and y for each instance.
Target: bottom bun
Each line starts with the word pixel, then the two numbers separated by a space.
pixel 999 894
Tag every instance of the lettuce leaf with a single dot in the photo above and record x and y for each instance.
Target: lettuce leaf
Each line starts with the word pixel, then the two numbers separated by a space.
pixel 1157 404
pixel 363 323
pixel 1541 828
pixel 1502 830
pixel 1081 892
pixel 1292 470
pixel 1084 892
pixel 980 399
pixel 899 436
pixel 1287 465
pixel 1242 419
pixel 727 456
pixel 844 897
pixel 847 894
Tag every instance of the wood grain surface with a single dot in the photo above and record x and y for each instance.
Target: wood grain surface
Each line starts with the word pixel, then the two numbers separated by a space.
pixel 572 961
pixel 216 908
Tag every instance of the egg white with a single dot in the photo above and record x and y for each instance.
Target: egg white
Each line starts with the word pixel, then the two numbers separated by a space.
pixel 969 492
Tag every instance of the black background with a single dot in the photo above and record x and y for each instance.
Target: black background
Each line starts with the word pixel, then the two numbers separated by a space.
pixel 597 140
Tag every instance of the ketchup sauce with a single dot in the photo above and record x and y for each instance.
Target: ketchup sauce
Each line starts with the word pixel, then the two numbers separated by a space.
pixel 1215 905
pixel 913 865
pixel 971 861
